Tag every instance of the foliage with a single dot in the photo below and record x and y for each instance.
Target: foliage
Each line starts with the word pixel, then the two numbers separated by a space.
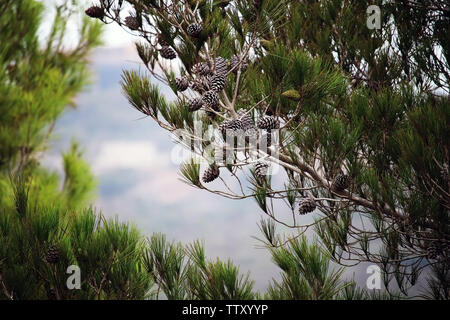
pixel 306 273
pixel 184 273
pixel 366 103
pixel 108 253
pixel 38 79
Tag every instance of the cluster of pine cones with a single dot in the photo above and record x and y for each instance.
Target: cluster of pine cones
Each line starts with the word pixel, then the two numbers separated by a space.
pixel 244 125
pixel 208 79
pixel 166 51
pixel 340 183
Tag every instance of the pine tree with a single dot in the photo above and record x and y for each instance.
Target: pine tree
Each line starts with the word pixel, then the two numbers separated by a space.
pixel 363 113
pixel 43 227
pixel 302 266
pixel 184 272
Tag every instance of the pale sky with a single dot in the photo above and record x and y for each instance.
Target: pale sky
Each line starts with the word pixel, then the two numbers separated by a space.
pixel 114 35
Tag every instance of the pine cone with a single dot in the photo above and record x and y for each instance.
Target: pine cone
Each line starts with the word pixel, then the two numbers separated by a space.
pixel 341 182
pixel 167 53
pixel 231 125
pixel 182 84
pixel 201 68
pixel 211 100
pixel 221 66
pixel 235 66
pixel 200 85
pixel 218 83
pixel 95 12
pixel 268 123
pixel 246 119
pixel 52 255
pixel 211 174
pixel 261 169
pixel 250 131
pixel 306 206
pixel 194 30
pixel 132 23
pixel 195 104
